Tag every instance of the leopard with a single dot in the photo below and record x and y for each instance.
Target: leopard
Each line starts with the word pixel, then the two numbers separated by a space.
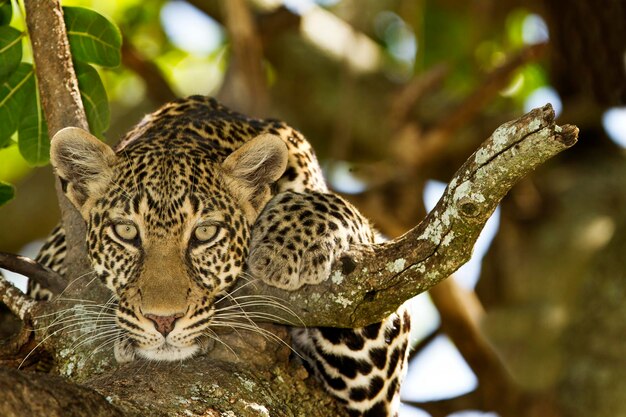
pixel 195 198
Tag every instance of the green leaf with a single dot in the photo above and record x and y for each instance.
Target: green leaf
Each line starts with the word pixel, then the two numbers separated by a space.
pixel 33 141
pixel 94 98
pixel 13 93
pixel 10 50
pixel 6 12
pixel 93 38
pixel 7 192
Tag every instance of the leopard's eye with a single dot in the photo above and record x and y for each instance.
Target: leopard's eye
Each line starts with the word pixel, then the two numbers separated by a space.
pixel 205 233
pixel 126 231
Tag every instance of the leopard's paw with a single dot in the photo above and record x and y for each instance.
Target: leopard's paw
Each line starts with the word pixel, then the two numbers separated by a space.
pixel 299 236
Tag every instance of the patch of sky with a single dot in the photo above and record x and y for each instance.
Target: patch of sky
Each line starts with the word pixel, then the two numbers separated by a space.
pixel 30 251
pixel 473 414
pixel 541 96
pixel 534 30
pixel 397 35
pixel 340 176
pixel 303 6
pixel 614 123
pixel 438 372
pixel 408 411
pixel 191 30
pixel 299 6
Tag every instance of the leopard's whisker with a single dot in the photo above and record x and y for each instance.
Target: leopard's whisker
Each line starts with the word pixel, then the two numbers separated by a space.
pixel 263 301
pixel 48 337
pixel 106 343
pixel 253 328
pixel 93 338
pixel 67 287
pixel 212 335
pixel 83 317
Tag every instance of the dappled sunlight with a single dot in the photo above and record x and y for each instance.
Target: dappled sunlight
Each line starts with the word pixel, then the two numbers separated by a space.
pixel 438 372
pixel 614 123
pixel 190 29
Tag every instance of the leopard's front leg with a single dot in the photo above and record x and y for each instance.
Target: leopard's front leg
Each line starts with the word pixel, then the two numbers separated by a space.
pixel 295 241
pixel 298 237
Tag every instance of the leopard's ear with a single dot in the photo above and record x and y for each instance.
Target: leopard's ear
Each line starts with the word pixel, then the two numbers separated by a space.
pixel 252 168
pixel 83 164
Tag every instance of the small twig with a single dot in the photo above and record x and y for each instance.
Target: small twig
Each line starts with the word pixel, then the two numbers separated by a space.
pixel 45 277
pixel 19 303
pixel 411 93
pixel 370 282
pixel 493 82
pixel 442 408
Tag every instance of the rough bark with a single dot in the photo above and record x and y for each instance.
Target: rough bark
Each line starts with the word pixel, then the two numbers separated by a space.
pixel 49 396
pixel 61 103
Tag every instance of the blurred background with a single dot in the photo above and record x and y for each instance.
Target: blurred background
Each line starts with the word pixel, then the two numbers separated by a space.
pixel 395 95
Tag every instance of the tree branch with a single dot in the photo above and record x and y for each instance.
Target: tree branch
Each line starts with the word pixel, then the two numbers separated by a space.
pixel 47 395
pixel 62 106
pixel 428 146
pixel 19 303
pixel 369 283
pixel 45 277
pixel 442 408
pixel 461 312
pixel 245 85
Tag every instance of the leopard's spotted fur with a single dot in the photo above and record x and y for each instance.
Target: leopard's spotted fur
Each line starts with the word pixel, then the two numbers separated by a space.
pixel 188 197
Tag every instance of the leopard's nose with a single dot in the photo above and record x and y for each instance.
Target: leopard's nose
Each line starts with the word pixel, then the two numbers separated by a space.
pixel 164 324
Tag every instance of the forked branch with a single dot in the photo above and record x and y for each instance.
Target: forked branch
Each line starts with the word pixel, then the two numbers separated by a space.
pixel 370 282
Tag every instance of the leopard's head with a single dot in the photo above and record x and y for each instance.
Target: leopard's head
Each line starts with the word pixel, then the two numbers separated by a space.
pixel 168 226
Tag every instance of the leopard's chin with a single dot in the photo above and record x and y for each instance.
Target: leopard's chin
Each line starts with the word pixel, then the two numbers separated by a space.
pixel 167 352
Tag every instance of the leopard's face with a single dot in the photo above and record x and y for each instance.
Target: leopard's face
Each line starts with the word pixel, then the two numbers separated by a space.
pixel 168 248
pixel 167 231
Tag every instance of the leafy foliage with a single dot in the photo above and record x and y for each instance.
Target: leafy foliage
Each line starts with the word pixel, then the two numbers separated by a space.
pixel 13 94
pixel 6 12
pixel 94 98
pixel 10 50
pixel 7 192
pixel 33 141
pixel 93 40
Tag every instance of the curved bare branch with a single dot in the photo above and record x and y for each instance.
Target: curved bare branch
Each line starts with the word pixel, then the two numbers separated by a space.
pixel 45 277
pixel 19 303
pixel 369 283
